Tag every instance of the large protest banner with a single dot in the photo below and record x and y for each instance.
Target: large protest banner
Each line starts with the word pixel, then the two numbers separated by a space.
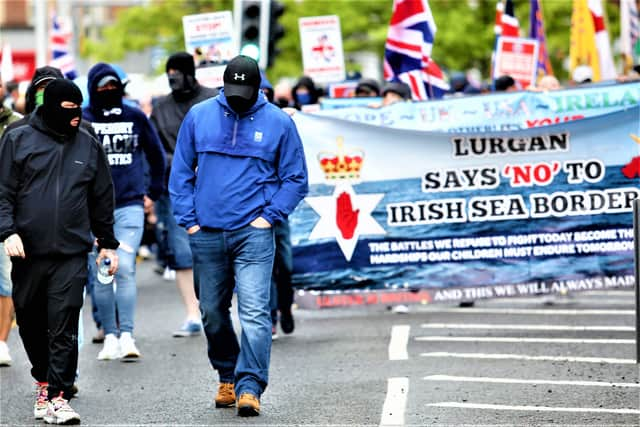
pixel 490 113
pixel 455 216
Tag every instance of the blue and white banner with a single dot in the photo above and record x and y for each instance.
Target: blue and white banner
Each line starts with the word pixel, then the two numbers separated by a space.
pixel 489 113
pixel 546 209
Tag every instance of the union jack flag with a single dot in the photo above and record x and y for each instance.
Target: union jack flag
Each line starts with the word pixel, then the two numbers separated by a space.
pixel 407 53
pixel 506 25
pixel 509 25
pixel 60 40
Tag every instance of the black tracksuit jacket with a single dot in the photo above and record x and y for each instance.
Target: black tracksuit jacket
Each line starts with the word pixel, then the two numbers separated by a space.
pixel 55 190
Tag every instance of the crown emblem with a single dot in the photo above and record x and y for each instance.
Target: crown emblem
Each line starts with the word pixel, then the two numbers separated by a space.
pixel 341 165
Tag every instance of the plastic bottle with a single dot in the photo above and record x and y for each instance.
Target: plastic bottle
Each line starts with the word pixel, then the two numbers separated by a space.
pixel 103 272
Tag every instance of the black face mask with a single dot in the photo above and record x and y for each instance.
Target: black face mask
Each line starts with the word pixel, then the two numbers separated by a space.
pixel 182 85
pixel 242 105
pixel 54 115
pixel 176 81
pixel 282 102
pixel 239 104
pixel 108 99
pixel 59 118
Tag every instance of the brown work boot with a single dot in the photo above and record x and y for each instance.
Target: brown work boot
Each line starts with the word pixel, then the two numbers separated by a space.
pixel 248 405
pixel 226 396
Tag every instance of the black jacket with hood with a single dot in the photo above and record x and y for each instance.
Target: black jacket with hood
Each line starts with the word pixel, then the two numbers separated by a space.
pixel 168 113
pixel 55 190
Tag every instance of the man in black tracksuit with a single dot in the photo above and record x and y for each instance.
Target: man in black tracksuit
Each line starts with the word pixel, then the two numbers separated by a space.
pixel 55 190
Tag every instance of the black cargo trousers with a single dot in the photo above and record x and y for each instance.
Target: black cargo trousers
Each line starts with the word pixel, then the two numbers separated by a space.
pixel 48 296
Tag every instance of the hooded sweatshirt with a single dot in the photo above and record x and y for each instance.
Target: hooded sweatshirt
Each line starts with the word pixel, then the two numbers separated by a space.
pixel 248 165
pixel 168 113
pixel 127 137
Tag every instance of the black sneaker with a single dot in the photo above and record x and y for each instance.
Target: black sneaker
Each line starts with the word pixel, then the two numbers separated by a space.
pixel 286 321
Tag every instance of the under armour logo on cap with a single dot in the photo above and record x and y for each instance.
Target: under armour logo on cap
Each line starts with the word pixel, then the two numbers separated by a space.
pixel 241 77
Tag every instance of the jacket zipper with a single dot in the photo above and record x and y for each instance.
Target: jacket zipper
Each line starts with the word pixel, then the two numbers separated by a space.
pixel 57 201
pixel 235 130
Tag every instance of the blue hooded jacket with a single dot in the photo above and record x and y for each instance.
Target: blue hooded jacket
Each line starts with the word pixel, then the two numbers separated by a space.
pixel 127 137
pixel 248 165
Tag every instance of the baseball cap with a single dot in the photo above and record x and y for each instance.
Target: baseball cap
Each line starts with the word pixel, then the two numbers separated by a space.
pixel 108 78
pixel 402 89
pixel 241 77
pixel 367 86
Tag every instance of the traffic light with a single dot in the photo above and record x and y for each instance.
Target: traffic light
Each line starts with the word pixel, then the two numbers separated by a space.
pixel 249 27
pixel 276 31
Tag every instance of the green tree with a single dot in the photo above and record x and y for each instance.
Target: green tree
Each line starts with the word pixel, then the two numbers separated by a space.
pixel 464 38
pixel 137 28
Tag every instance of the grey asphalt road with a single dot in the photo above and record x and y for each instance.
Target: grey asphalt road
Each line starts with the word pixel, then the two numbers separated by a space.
pixel 451 366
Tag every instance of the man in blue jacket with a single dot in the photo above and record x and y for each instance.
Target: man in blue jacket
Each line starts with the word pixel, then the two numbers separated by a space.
pixel 127 138
pixel 238 169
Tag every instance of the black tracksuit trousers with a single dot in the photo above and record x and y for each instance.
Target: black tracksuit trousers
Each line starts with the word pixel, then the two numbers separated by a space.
pixel 48 296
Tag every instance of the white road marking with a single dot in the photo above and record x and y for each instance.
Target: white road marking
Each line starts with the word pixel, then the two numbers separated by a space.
pixel 529 340
pixel 398 342
pixel 527 327
pixel 468 405
pixel 525 381
pixel 569 312
pixel 526 357
pixel 395 402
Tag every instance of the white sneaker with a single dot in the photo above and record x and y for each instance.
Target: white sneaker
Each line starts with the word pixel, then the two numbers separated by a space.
pixel 128 350
pixel 169 274
pixel 144 252
pixel 111 348
pixel 40 407
pixel 5 357
pixel 59 412
pixel 400 309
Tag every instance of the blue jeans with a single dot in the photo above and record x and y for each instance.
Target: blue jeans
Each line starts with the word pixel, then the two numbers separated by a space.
pixel 177 251
pixel 243 257
pixel 92 282
pixel 281 288
pixel 5 273
pixel 128 227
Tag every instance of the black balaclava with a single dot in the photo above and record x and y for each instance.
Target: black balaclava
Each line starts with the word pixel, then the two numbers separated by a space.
pixel 183 80
pixel 110 98
pixel 241 83
pixel 54 114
